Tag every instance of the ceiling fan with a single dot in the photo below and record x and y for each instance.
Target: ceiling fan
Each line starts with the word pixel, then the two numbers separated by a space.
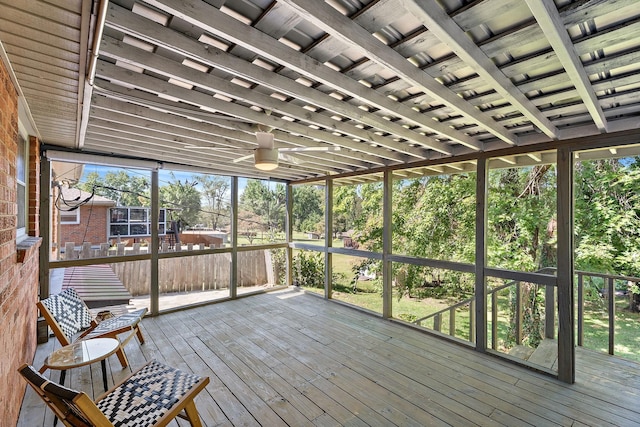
pixel 266 156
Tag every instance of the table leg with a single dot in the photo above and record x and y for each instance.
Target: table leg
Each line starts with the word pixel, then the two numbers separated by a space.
pixel 104 373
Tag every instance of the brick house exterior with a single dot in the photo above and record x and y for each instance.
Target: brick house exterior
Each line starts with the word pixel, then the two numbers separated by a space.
pixel 19 260
pixel 92 219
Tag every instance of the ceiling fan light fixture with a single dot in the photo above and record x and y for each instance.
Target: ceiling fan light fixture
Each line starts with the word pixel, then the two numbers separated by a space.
pixel 265 159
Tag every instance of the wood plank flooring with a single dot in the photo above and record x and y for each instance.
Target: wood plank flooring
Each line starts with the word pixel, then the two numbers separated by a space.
pixel 286 358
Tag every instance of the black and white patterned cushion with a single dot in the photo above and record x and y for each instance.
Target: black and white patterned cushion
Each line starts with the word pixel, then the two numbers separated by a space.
pixel 70 312
pixel 127 320
pixel 147 395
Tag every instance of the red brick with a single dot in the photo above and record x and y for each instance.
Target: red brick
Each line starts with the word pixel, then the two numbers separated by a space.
pixel 18 281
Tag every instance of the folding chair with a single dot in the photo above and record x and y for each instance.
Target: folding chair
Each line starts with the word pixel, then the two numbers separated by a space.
pixel 152 396
pixel 67 315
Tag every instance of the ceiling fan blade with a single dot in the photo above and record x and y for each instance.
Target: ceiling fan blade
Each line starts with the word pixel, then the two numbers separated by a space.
pixel 265 140
pixel 239 159
pixel 208 147
pixel 302 149
pixel 290 159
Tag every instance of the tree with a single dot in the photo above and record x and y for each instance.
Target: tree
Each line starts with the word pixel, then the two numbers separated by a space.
pixel 347 207
pixel 120 187
pixel 215 191
pixel 434 217
pixel 184 198
pixel 249 224
pixel 308 207
pixel 607 216
pixel 266 203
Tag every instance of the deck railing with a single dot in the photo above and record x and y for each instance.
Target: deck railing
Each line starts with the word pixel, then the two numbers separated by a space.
pixel 609 280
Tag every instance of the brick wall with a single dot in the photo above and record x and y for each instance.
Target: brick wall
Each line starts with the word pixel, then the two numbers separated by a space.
pixel 18 266
pixel 92 227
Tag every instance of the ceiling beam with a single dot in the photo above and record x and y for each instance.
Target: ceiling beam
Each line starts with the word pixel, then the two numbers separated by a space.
pixel 140 106
pixel 338 25
pixel 123 76
pixel 169 39
pixel 548 18
pixel 438 21
pixel 215 22
pixel 180 136
pixel 161 65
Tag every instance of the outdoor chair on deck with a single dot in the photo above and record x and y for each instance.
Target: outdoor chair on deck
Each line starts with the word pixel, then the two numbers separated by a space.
pixel 151 396
pixel 67 315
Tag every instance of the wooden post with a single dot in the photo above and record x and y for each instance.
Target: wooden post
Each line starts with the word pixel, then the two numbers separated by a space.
pixel 518 323
pixel 86 250
pixel 481 256
pixel 233 282
pixel 45 232
pixel 69 250
pixel 288 279
pixel 328 238
pixel 580 309
pixel 549 311
pixel 154 285
pixel 494 320
pixel 566 331
pixel 611 308
pixel 452 321
pixel 472 327
pixel 387 233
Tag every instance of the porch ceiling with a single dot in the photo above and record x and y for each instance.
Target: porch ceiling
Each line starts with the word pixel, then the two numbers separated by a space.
pixel 390 82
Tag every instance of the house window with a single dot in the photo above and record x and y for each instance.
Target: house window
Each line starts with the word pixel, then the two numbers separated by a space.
pixel 134 221
pixel 21 178
pixel 70 217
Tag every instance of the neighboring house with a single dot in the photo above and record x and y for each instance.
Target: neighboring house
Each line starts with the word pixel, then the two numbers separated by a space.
pixel 80 217
pixel 79 221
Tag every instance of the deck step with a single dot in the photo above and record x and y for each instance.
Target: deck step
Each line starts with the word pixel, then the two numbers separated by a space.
pixel 521 352
pixel 546 354
pixel 97 285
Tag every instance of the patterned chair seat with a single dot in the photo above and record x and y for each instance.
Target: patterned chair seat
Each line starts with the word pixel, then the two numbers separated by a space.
pixel 70 320
pixel 152 396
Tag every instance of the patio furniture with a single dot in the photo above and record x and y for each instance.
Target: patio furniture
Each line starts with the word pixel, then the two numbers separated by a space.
pixel 80 353
pixel 151 396
pixel 67 315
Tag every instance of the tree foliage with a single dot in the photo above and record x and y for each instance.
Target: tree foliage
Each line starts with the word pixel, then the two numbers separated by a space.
pixel 215 193
pixel 122 188
pixel 265 206
pixel 308 208
pixel 183 198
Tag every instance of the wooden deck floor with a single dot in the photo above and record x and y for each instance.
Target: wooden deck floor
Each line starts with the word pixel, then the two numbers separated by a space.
pixel 287 358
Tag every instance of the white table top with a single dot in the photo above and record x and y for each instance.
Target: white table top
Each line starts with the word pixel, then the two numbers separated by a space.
pixel 81 353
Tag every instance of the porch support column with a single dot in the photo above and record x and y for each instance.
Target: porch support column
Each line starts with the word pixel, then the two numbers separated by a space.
pixel 233 286
pixel 45 226
pixel 328 238
pixel 155 244
pixel 481 255
pixel 566 334
pixel 387 247
pixel 289 235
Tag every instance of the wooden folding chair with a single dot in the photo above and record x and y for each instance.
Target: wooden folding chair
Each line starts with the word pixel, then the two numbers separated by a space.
pixel 152 396
pixel 67 316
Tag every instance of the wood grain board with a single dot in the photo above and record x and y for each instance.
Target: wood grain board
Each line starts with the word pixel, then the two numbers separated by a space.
pixel 286 358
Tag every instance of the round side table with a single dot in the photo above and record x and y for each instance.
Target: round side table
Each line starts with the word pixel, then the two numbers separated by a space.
pixel 82 353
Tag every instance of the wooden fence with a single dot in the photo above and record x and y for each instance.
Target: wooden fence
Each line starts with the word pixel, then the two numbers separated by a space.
pixel 196 273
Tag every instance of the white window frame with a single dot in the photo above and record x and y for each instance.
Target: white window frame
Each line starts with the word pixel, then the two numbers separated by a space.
pixel 76 220
pixel 22 168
